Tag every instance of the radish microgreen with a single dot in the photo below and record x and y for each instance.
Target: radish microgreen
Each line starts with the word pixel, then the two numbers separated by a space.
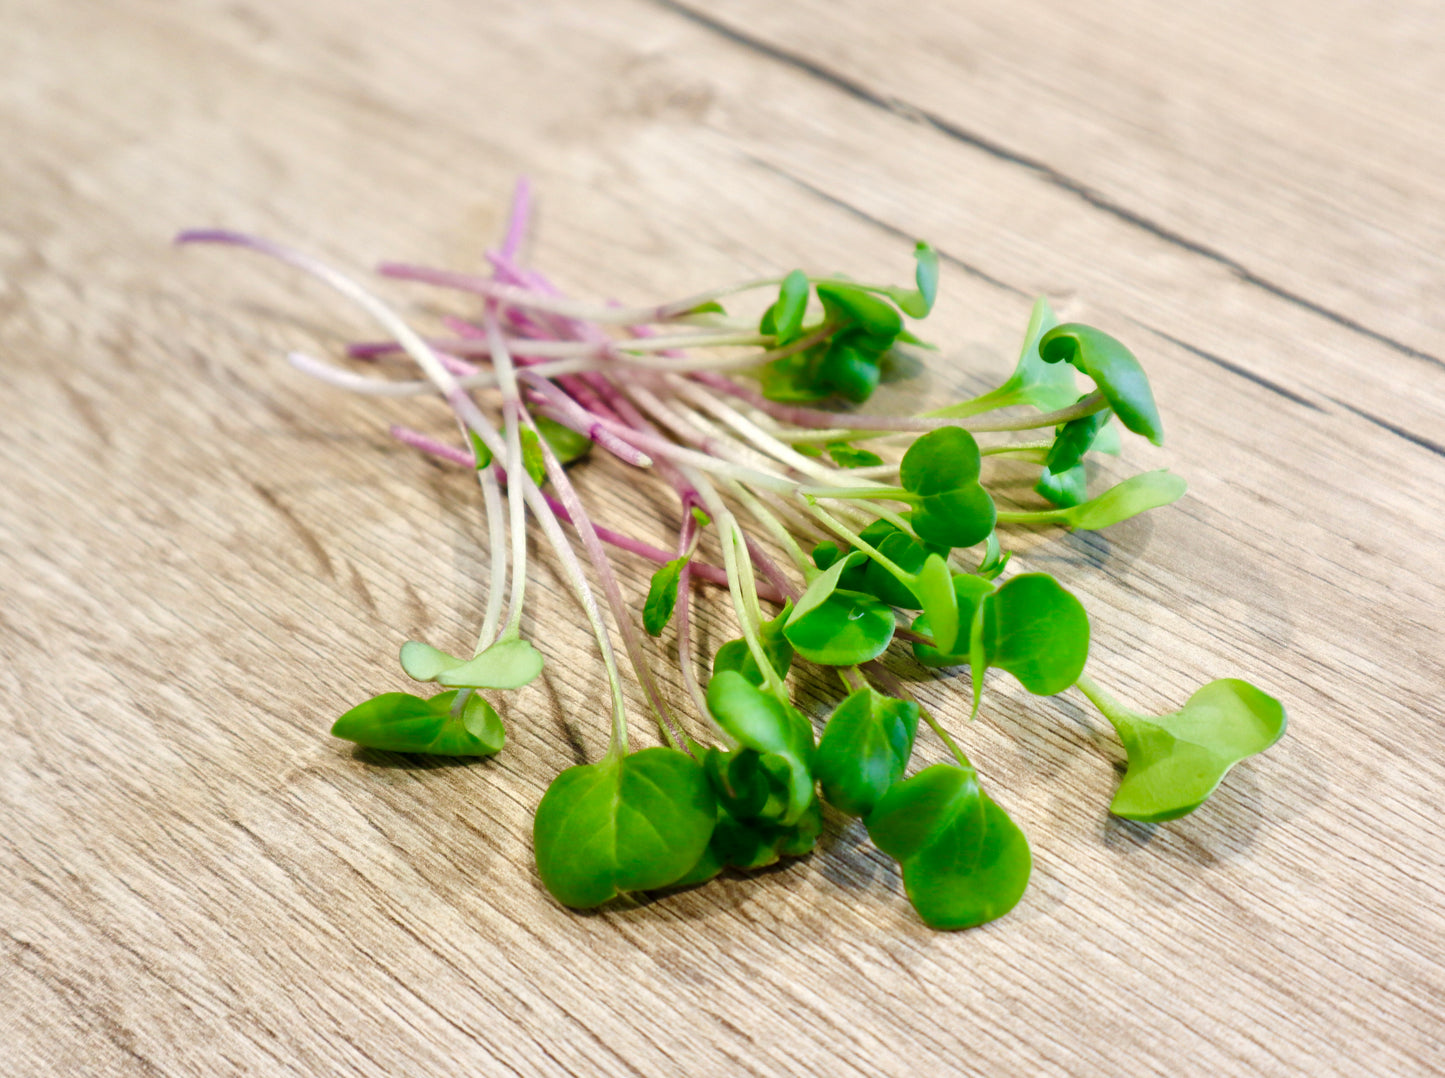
pixel 720 408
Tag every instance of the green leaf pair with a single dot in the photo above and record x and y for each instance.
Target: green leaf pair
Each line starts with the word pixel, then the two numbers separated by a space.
pixel 754 844
pixel 897 584
pixel 1177 760
pixel 509 663
pixel 939 475
pixel 848 364
pixel 636 822
pixel 870 577
pixel 1030 626
pixel 400 722
pixel 964 861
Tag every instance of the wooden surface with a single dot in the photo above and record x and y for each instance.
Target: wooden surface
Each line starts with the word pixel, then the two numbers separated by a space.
pixel 203 558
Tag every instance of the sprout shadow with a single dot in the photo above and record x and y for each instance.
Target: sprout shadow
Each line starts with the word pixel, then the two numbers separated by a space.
pixel 417 761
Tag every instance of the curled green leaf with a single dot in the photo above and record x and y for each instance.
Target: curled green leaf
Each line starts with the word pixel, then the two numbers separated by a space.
pixel 1177 760
pixel 1074 439
pixel 850 366
pixel 784 319
pixel 1066 489
pixel 1113 369
pixel 509 663
pixel 969 591
pixel 662 597
pixel 777 733
pixel 400 722
pixel 626 823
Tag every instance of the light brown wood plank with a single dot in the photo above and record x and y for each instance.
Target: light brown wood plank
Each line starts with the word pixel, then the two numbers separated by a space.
pixel 203 558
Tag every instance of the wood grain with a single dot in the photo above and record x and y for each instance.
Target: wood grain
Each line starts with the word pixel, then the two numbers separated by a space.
pixel 204 558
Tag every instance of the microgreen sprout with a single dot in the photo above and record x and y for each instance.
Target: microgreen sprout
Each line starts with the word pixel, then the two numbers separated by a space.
pixel 828 526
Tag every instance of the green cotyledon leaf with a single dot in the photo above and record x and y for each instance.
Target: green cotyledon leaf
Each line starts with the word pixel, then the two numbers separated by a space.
pixel 662 597
pixel 400 722
pixel 964 861
pixel 864 749
pixel 760 723
pixel 1113 369
pixel 1177 760
pixel 627 823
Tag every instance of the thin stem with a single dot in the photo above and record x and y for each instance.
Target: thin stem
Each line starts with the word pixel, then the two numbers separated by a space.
pixel 497 542
pixel 945 738
pixel 592 544
pixel 775 527
pixel 860 543
pixel 515 296
pixel 687 540
pixel 1119 716
pixel 471 417
pixel 740 583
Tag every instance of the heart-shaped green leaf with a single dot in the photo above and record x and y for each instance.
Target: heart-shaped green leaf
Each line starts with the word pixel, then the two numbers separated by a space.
pixel 844 629
pixel 941 460
pixel 1113 369
pixel 626 823
pixel 950 508
pixel 1035 630
pixel 509 663
pixel 400 722
pixel 964 861
pixel 1177 760
pixel 864 749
